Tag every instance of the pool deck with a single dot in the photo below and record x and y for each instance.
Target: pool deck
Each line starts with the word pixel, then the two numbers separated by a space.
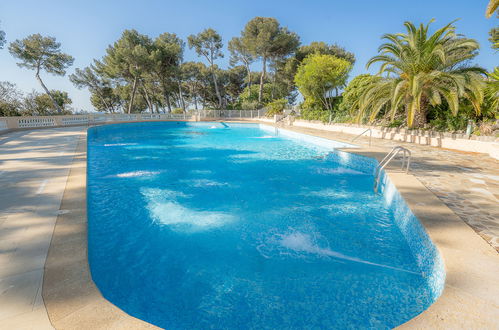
pixel 34 166
pixel 43 202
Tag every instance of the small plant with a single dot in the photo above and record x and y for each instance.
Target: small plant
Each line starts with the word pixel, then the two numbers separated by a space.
pixel 487 128
pixel 276 107
pixel 396 123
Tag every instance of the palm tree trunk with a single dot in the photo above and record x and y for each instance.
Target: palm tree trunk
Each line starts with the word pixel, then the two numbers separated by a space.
pixel 57 107
pixel 420 116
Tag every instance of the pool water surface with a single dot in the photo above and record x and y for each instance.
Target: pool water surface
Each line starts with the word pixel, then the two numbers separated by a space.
pixel 211 226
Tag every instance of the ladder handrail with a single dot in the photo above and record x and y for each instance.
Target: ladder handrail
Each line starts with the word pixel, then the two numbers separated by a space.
pixel 282 118
pixel 387 159
pixel 370 135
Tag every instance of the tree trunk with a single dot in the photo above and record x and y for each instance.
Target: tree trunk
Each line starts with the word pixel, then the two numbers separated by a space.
pixel 57 107
pixel 194 97
pixel 168 103
pixel 219 97
pixel 181 95
pixel 249 80
pixel 103 99
pixel 132 97
pixel 262 77
pixel 97 90
pixel 148 100
pixel 274 79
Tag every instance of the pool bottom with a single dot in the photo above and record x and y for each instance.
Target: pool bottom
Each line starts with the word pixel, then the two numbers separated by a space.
pixel 297 251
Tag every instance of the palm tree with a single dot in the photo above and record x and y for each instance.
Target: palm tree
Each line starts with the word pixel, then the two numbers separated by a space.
pixel 491 8
pixel 492 90
pixel 419 70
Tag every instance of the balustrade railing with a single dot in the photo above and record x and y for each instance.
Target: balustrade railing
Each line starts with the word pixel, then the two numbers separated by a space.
pixel 8 123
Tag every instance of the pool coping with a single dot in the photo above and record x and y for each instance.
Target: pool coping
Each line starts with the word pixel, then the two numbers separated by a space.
pixel 470 298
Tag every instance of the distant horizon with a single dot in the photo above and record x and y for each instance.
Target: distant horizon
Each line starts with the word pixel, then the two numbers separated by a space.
pixel 85 30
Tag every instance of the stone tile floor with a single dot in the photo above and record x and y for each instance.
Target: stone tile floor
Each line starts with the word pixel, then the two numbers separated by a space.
pixel 33 169
pixel 468 183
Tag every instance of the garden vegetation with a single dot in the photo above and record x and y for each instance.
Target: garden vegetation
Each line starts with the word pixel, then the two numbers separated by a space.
pixel 426 77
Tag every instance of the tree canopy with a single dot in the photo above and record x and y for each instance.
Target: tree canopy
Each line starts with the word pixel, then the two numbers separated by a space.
pixel 38 53
pixel 127 60
pixel 41 53
pixel 2 39
pixel 354 91
pixel 425 76
pixel 319 74
pixel 208 44
pixel 264 38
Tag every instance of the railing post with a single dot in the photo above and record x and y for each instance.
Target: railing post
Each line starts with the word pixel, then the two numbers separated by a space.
pixel 58 120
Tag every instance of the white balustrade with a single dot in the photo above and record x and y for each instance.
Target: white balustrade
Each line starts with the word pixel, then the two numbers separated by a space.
pixel 28 122
pixel 7 123
pixel 3 125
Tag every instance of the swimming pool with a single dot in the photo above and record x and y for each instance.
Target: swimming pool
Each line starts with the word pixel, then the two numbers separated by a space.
pixel 240 226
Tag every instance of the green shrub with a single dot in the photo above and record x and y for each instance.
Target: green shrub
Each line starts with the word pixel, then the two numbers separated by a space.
pixel 310 114
pixel 396 123
pixel 178 111
pixel 250 105
pixel 343 117
pixel 450 124
pixel 355 89
pixel 275 107
pixel 251 94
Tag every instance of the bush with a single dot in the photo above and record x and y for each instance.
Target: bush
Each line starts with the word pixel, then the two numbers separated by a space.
pixel 343 117
pixel 441 118
pixel 178 111
pixel 354 91
pixel 251 95
pixel 276 107
pixel 250 105
pixel 452 124
pixel 311 114
pixel 488 127
pixel 396 123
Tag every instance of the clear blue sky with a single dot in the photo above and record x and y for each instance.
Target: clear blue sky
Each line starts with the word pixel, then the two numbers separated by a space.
pixel 86 28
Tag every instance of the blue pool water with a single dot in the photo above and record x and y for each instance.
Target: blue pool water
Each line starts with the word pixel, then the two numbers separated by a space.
pixel 203 226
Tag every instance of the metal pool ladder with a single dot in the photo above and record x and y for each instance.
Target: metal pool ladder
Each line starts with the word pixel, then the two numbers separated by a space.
pixel 406 162
pixel 370 135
